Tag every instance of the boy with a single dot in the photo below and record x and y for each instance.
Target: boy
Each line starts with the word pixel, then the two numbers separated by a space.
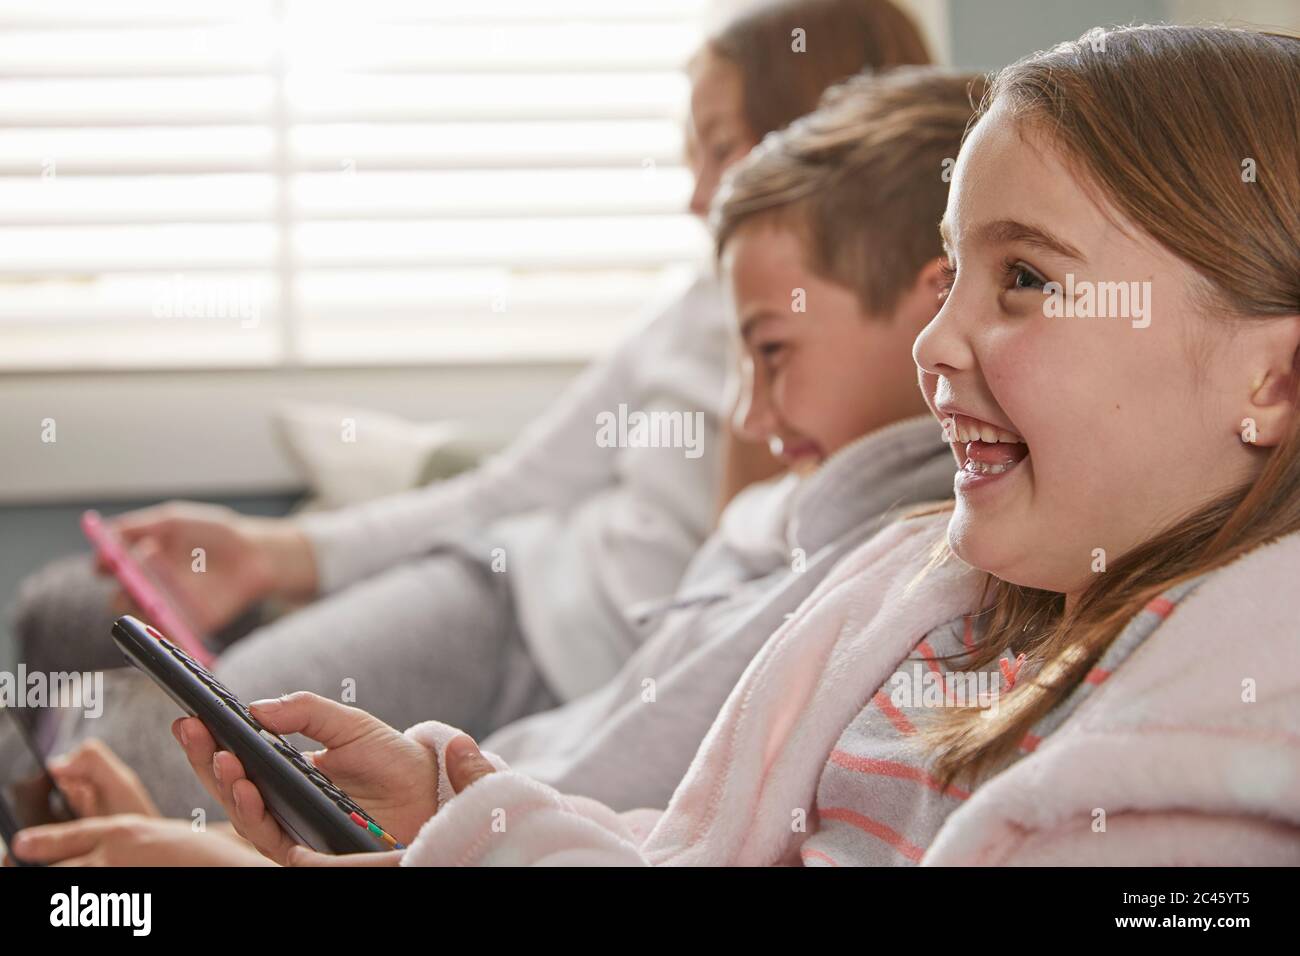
pixel 828 241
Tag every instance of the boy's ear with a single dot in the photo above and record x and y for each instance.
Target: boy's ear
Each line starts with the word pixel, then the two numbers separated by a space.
pixel 1275 390
pixel 931 278
pixel 927 287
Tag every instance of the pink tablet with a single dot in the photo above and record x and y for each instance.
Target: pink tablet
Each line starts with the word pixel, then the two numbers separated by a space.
pixel 143 588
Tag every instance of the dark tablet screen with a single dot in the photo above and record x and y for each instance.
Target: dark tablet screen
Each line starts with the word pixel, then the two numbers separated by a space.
pixel 29 796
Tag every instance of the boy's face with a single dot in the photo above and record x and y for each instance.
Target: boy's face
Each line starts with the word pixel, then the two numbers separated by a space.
pixel 819 372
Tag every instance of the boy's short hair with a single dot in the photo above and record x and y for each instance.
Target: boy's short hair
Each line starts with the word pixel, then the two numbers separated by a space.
pixel 863 180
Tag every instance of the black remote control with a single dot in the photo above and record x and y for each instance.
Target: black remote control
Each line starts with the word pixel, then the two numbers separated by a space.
pixel 304 801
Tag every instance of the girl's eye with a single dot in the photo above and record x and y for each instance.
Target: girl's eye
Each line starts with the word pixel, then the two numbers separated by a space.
pixel 770 350
pixel 1020 276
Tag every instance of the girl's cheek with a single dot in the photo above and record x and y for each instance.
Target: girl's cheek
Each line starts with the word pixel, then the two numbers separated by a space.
pixel 1019 366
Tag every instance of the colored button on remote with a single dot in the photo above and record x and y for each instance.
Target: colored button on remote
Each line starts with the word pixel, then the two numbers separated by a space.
pixel 376 830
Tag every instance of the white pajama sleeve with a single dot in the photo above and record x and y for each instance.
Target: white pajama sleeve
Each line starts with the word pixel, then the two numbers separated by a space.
pixel 554 463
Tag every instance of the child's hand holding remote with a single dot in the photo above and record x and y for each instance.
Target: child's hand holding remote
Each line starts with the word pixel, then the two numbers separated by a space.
pixel 465 765
pixel 391 776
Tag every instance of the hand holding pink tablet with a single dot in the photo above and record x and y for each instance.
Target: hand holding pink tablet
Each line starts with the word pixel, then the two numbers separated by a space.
pixel 157 604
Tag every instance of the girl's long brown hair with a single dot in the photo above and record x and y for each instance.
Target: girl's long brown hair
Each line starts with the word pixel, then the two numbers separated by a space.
pixel 1161 120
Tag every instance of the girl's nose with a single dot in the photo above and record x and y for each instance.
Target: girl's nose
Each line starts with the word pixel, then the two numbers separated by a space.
pixel 942 347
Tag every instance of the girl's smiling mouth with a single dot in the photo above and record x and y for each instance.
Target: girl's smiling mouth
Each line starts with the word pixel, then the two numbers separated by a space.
pixel 986 451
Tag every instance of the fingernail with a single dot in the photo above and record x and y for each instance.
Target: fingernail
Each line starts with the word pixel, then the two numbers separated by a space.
pixel 216 768
pixel 266 704
pixel 234 795
pixel 21 842
pixel 181 734
pixel 461 747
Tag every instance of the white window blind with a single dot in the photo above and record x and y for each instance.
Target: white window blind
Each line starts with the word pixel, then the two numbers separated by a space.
pixel 252 183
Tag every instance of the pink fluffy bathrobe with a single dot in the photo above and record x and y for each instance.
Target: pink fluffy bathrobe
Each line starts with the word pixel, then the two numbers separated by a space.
pixel 1186 767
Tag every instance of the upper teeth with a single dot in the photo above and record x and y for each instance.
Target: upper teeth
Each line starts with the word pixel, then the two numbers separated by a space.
pixel 970 429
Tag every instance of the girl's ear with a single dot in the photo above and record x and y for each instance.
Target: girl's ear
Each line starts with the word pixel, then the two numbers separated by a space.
pixel 1275 391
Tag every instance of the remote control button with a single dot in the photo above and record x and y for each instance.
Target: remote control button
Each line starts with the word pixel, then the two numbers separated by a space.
pixel 325 784
pixel 163 641
pixel 242 714
pixel 207 675
pixel 270 738
pixel 317 778
pixel 194 668
pixel 338 794
pixel 294 756
pixel 334 791
pixel 356 818
pixel 221 691
pixel 335 794
pixel 346 802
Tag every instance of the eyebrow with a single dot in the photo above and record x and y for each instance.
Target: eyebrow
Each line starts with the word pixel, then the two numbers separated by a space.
pixel 747 326
pixel 1009 230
